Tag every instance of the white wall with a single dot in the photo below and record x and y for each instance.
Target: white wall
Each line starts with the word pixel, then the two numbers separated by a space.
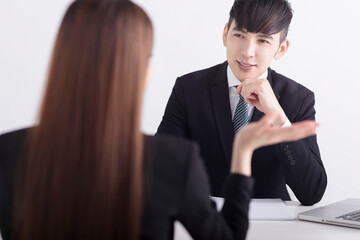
pixel 323 56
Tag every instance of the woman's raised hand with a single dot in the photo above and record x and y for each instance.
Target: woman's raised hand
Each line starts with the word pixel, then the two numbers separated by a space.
pixel 263 133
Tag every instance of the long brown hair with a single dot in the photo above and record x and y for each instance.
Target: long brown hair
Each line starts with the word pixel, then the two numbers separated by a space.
pixel 82 174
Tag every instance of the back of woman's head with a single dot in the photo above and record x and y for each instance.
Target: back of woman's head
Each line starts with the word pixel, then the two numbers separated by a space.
pixel 81 176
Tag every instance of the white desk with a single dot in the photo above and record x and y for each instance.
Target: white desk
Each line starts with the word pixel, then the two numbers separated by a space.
pixel 289 230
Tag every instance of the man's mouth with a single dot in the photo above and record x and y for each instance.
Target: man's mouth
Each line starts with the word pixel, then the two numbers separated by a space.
pixel 245 66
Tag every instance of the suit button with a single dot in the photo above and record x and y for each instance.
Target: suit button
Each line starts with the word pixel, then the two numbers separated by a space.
pixel 292 162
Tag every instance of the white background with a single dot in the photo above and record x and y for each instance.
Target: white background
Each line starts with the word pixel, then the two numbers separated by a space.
pixel 323 56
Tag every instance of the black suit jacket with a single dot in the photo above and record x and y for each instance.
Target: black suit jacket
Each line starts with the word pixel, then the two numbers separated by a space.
pixel 175 185
pixel 199 109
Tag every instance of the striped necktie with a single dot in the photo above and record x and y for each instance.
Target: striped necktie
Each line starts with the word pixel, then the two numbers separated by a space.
pixel 241 116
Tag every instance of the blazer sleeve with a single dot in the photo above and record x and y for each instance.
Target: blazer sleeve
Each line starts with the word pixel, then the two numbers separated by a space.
pixel 197 212
pixel 303 169
pixel 174 119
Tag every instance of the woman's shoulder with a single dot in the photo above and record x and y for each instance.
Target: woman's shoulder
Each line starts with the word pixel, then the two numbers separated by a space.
pixel 13 136
pixel 11 144
pixel 169 157
pixel 168 140
pixel 169 146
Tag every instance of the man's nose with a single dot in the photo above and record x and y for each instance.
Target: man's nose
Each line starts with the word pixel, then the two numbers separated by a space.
pixel 248 49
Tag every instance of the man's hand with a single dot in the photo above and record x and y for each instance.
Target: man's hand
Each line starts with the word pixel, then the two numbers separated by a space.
pixel 258 93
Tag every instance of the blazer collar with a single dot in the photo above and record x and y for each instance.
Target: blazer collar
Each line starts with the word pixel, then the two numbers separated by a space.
pixel 222 111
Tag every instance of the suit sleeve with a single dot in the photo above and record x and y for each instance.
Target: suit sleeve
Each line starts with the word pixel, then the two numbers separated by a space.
pixel 198 213
pixel 174 119
pixel 303 169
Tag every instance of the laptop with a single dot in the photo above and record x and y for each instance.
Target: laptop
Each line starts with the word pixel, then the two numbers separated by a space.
pixel 344 213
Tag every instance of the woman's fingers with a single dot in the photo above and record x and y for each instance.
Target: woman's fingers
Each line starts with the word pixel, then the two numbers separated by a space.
pixel 295 132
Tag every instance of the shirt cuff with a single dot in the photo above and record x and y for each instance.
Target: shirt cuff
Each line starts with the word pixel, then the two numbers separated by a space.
pixel 287 123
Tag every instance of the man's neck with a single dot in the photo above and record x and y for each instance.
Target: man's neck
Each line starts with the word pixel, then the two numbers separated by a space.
pixel 233 81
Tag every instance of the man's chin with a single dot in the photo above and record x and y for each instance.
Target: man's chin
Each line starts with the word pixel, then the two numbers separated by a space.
pixel 242 77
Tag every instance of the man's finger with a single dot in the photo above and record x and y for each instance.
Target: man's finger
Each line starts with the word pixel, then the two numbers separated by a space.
pixel 238 89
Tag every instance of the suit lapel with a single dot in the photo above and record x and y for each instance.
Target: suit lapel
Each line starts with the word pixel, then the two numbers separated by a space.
pixel 222 110
pixel 257 114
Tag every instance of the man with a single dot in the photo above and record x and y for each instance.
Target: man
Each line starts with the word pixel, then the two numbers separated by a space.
pixel 209 106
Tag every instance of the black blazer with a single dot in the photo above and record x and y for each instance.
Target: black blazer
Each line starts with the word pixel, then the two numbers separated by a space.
pixel 175 185
pixel 199 109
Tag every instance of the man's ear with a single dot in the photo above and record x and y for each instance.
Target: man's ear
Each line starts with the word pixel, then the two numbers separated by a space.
pixel 225 32
pixel 282 49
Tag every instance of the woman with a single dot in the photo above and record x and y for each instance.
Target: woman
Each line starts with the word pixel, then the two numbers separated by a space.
pixel 87 172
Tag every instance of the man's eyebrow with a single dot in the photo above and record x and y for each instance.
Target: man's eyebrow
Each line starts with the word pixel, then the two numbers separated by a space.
pixel 239 29
pixel 261 35
pixel 268 36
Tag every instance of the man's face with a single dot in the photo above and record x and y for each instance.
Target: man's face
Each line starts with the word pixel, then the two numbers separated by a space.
pixel 250 54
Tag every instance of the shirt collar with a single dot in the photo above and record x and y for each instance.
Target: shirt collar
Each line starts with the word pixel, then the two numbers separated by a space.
pixel 233 81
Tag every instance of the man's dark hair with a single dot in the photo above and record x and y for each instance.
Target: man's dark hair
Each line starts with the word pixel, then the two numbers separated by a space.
pixel 262 16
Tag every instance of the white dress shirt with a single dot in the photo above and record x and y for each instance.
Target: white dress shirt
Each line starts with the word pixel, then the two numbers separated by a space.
pixel 234 99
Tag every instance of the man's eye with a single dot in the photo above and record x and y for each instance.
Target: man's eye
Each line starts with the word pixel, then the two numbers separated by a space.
pixel 264 41
pixel 238 35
